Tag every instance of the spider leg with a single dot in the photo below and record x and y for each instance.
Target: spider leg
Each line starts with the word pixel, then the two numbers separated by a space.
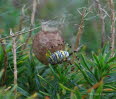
pixel 75 51
pixel 68 47
pixel 69 61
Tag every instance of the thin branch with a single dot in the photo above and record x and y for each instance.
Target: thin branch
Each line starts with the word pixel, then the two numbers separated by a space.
pixel 32 23
pixel 33 13
pixel 113 25
pixel 102 18
pixel 18 33
pixel 14 61
pixel 80 29
pixel 83 14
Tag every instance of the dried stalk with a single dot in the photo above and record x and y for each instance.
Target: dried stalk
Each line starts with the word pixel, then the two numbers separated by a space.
pixel 33 12
pixel 5 63
pixel 32 23
pixel 18 33
pixel 113 25
pixel 102 18
pixel 80 29
pixel 14 61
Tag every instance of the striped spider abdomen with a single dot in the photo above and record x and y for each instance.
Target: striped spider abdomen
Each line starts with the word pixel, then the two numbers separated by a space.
pixel 58 57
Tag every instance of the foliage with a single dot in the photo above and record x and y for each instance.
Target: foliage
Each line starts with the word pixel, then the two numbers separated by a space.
pixel 65 80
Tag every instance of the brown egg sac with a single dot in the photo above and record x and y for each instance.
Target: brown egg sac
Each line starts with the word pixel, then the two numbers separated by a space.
pixel 46 41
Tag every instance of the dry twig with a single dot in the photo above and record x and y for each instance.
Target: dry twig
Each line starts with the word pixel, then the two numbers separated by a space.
pixel 113 25
pixel 85 11
pixel 102 16
pixel 32 23
pixel 14 61
pixel 80 29
pixel 18 33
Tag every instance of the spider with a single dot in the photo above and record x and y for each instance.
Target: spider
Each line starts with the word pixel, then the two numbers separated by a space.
pixel 60 56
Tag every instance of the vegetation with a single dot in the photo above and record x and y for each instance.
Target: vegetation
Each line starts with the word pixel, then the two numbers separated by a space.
pixel 82 22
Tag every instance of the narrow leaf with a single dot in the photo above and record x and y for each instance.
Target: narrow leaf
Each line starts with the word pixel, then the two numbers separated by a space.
pixel 99 92
pixel 22 91
pixel 84 74
pixel 44 93
pixel 91 94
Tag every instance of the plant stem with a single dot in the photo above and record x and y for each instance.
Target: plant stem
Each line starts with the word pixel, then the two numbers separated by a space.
pixel 80 29
pixel 18 33
pixel 113 25
pixel 32 23
pixel 102 18
pixel 15 62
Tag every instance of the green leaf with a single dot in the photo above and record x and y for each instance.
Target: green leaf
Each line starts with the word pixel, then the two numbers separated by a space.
pixel 111 59
pixel 45 80
pixel 101 59
pixel 44 93
pixel 91 94
pixel 23 92
pixel 77 93
pixel 111 79
pixel 97 74
pixel 99 92
pixel 63 91
pixel 97 61
pixel 73 96
pixel 54 72
pixel 58 96
pixel 109 86
pixel 106 68
pixel 107 56
pixel 105 48
pixel 66 88
pixel 84 74
pixel 85 64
